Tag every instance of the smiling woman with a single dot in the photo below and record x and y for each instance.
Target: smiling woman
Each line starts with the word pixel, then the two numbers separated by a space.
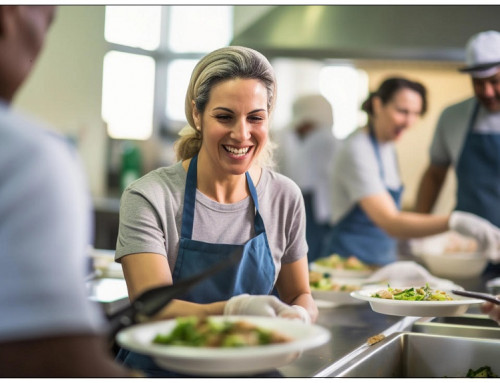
pixel 220 198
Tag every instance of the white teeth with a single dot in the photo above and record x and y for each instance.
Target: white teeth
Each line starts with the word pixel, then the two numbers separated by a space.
pixel 238 152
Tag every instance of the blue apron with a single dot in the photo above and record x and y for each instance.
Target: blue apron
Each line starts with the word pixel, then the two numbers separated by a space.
pixel 254 274
pixel 356 234
pixel 316 232
pixel 478 176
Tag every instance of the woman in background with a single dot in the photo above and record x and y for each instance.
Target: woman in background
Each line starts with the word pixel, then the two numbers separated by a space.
pixel 367 188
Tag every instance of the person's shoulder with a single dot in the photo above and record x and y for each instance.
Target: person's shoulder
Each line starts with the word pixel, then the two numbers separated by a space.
pixel 463 107
pixel 279 183
pixel 170 177
pixel 34 140
pixel 357 141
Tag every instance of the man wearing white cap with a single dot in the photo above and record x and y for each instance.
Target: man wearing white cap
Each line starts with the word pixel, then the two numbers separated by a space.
pixel 468 137
pixel 305 154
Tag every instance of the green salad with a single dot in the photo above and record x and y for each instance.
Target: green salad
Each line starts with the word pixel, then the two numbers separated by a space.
pixel 424 293
pixel 481 372
pixel 203 332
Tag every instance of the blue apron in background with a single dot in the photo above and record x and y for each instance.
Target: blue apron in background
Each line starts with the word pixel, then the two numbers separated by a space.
pixel 316 232
pixel 478 176
pixel 356 234
pixel 254 274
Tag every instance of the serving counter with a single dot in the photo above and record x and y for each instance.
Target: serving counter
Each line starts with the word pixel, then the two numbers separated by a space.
pixel 350 327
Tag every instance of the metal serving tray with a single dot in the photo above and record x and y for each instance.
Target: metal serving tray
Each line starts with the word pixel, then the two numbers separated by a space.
pixel 417 355
pixel 468 325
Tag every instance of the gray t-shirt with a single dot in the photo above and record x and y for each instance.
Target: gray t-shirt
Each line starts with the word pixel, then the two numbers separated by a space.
pixel 356 172
pixel 452 128
pixel 151 215
pixel 45 229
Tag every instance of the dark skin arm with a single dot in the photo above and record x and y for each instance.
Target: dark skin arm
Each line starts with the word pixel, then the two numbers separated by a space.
pixel 68 356
pixel 430 187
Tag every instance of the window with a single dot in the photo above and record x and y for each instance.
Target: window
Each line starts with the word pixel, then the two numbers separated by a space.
pixel 153 50
pixel 346 88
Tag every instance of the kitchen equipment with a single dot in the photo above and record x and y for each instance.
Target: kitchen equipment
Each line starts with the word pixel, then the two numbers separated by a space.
pixel 478 295
pixel 457 306
pixel 412 355
pixel 153 300
pixel 232 361
pixel 467 325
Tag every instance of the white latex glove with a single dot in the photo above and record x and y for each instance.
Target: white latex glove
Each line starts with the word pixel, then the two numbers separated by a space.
pixel 264 305
pixel 296 312
pixel 486 234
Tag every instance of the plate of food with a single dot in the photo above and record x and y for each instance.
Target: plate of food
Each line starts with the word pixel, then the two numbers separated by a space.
pixel 330 291
pixel 421 301
pixel 223 345
pixel 343 267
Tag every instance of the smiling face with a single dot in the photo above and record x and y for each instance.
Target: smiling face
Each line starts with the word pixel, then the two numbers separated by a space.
pixel 394 117
pixel 487 91
pixel 234 125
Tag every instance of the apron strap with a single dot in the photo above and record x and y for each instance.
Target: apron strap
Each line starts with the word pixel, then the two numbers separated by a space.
pixel 190 201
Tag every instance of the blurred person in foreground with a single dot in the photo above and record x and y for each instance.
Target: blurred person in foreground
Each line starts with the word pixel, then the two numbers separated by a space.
pixel 305 152
pixel 48 326
pixel 367 187
pixel 467 137
pixel 221 197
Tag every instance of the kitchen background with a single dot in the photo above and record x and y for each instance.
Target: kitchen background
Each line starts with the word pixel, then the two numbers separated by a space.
pixel 85 86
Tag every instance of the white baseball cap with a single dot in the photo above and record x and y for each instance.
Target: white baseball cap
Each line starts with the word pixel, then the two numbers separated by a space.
pixel 482 54
pixel 312 108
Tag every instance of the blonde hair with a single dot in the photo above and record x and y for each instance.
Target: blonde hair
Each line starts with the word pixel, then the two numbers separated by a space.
pixel 221 65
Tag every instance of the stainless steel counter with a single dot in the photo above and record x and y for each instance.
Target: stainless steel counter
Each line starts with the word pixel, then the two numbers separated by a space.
pixel 350 327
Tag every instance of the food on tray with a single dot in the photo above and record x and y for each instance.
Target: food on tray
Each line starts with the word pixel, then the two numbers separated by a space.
pixel 324 282
pixel 375 339
pixel 481 372
pixel 424 293
pixel 335 261
pixel 202 332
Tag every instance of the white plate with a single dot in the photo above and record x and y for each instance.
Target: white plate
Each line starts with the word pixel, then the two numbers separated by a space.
pixel 457 306
pixel 225 361
pixel 338 298
pixel 340 273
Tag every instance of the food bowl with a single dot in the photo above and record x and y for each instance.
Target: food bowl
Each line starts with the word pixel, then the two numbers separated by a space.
pixel 455 265
pixel 450 255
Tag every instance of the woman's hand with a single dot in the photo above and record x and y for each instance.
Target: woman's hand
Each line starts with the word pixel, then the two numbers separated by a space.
pixel 264 305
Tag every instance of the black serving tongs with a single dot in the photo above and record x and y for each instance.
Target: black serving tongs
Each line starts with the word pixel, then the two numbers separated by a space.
pixel 153 300
pixel 474 294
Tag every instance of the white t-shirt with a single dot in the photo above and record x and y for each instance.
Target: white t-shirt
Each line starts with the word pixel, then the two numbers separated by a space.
pixel 356 172
pixel 151 216
pixel 45 228
pixel 452 128
pixel 308 162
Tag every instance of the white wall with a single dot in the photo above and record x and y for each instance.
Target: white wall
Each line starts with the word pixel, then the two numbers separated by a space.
pixel 64 88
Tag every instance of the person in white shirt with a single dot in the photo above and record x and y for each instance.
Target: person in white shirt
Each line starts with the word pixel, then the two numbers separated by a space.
pixel 305 153
pixel 366 186
pixel 48 326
